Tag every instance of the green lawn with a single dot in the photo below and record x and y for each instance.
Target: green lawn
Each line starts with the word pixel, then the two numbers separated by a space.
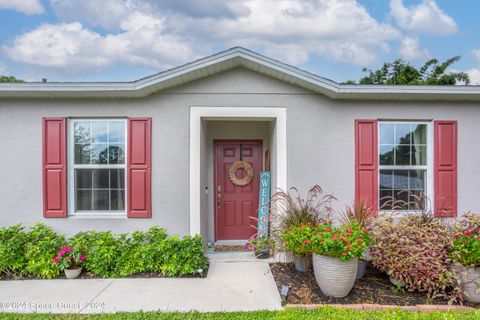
pixel 326 313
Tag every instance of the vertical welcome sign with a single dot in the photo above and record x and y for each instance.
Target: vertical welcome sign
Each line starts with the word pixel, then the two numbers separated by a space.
pixel 263 204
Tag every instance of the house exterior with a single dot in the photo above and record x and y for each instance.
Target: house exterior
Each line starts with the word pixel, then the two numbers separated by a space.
pixel 157 151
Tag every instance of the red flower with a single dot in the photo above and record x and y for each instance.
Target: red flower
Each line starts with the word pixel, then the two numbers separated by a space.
pixel 327 229
pixel 334 239
pixel 360 247
pixel 350 245
pixel 468 233
pixel 365 230
pixel 320 233
pixel 359 240
pixel 55 260
pixel 345 254
pixel 349 229
pixel 307 241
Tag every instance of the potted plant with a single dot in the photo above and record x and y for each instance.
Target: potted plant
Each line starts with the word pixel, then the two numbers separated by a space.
pixel 289 209
pixel 260 246
pixel 298 241
pixel 71 261
pixel 335 256
pixel 465 254
pixel 364 216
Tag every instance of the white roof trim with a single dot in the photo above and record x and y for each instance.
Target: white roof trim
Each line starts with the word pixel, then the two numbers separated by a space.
pixel 232 58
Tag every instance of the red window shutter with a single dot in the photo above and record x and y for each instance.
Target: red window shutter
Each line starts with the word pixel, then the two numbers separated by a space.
pixel 139 167
pixel 54 167
pixel 366 162
pixel 445 177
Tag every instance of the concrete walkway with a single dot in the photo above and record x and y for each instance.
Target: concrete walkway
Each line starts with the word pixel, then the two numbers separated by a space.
pixel 235 282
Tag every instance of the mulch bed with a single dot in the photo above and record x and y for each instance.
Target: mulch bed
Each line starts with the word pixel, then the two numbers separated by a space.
pixel 374 288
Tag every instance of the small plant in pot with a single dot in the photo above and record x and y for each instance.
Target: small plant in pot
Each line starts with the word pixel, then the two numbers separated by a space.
pixel 465 255
pixel 298 240
pixel 261 246
pixel 71 261
pixel 335 256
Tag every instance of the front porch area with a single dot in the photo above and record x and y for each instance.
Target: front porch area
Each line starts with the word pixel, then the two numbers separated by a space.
pixel 220 209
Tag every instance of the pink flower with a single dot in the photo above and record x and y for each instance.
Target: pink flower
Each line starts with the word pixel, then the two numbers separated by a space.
pixel 55 260
pixel 68 249
pixel 82 258
pixel 468 233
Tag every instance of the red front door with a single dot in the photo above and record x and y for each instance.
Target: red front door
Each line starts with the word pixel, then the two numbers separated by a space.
pixel 235 205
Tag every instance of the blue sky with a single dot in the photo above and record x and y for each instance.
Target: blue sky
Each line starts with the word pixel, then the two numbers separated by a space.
pixel 123 40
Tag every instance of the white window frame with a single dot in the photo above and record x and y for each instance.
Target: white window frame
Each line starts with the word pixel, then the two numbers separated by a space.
pixel 71 173
pixel 429 192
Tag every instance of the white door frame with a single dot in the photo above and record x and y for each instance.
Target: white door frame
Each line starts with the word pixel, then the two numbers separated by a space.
pixel 197 114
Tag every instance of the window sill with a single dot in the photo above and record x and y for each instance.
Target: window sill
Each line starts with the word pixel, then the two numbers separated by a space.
pixel 98 216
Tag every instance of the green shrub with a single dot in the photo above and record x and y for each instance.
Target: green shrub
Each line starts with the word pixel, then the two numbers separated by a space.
pixel 43 244
pixel 182 256
pixel 153 248
pixel 102 250
pixel 105 254
pixel 12 250
pixel 132 256
pixel 414 251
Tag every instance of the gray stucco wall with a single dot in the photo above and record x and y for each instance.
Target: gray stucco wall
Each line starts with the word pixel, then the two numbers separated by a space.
pixel 320 142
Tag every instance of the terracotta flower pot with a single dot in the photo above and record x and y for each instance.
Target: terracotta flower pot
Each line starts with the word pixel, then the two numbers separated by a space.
pixel 302 263
pixel 73 273
pixel 469 281
pixel 334 276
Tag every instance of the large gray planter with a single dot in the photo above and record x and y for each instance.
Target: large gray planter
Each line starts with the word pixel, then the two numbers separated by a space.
pixel 469 281
pixel 362 265
pixel 302 263
pixel 334 276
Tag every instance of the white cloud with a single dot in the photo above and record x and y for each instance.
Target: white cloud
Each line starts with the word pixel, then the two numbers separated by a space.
pixel 29 7
pixel 150 33
pixel 411 50
pixel 424 18
pixel 474 75
pixel 72 47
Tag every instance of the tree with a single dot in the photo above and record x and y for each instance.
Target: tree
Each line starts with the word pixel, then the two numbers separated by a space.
pixel 9 79
pixel 400 72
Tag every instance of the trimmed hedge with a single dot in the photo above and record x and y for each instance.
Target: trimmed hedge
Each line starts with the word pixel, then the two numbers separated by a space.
pixel 29 253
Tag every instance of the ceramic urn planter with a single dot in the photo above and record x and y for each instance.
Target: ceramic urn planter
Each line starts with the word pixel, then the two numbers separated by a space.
pixel 469 281
pixel 334 276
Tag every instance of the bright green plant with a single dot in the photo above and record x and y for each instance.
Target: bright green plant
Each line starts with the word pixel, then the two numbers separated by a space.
pixel 102 249
pixel 132 254
pixel 12 250
pixel 298 239
pixel 415 252
pixel 43 244
pixel 152 254
pixel 466 249
pixel 183 257
pixel 345 242
pixel 69 258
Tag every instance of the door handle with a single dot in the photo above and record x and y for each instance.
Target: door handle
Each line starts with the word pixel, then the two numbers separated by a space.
pixel 219 196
